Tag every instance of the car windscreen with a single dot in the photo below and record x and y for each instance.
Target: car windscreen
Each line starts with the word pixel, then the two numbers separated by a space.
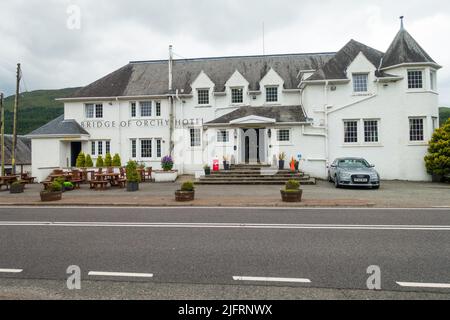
pixel 353 163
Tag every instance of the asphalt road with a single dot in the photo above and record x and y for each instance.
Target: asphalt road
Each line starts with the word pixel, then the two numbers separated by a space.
pixel 295 248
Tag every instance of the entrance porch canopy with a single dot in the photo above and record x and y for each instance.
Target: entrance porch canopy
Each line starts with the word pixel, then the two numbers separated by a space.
pixel 261 115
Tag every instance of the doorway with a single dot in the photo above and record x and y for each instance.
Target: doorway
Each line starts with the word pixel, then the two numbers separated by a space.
pixel 75 149
pixel 252 146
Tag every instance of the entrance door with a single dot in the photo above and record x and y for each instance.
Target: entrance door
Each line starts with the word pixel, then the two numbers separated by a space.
pixel 251 146
pixel 75 149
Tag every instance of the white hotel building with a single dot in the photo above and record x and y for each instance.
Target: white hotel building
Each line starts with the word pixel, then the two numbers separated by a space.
pixel 355 102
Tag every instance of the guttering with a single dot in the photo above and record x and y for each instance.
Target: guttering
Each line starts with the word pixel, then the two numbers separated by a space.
pixel 114 98
pixel 414 64
pixel 252 124
pixel 53 136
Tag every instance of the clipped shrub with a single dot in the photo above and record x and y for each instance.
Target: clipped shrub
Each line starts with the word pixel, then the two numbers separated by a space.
pixel 132 174
pixel 56 187
pixel 187 186
pixel 88 163
pixel 81 160
pixel 292 185
pixel 116 162
pixel 60 180
pixel 437 161
pixel 99 163
pixel 167 163
pixel 108 160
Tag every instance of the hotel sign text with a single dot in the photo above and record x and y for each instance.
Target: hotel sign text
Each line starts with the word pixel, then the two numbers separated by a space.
pixel 140 123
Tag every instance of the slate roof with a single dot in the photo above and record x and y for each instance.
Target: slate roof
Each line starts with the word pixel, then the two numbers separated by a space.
pixel 404 49
pixel 23 150
pixel 59 126
pixel 279 113
pixel 151 77
pixel 336 68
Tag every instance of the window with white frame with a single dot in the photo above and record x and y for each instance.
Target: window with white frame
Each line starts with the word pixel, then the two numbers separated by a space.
pixel 350 131
pixel 133 110
pixel 223 136
pixel 237 95
pixel 272 94
pixel 158 148
pixel 203 96
pixel 146 108
pixel 416 129
pixel 100 148
pixel 433 80
pixel 371 131
pixel 133 148
pixel 415 79
pixel 283 135
pixel 195 137
pixel 360 82
pixel 107 147
pixel 89 110
pixel 93 150
pixel 99 111
pixel 146 148
pixel 158 108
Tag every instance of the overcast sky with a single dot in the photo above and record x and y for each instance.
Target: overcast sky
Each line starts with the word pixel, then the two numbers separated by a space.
pixel 113 32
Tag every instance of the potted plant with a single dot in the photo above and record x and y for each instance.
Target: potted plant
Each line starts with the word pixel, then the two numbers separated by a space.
pixel 54 193
pixel 207 169
pixel 17 187
pixel 292 192
pixel 281 158
pixel 89 163
pixel 68 186
pixel 133 177
pixel 61 181
pixel 81 160
pixel 167 163
pixel 186 193
pixel 108 160
pixel 297 165
pixel 116 162
pixel 226 163
pixel 99 163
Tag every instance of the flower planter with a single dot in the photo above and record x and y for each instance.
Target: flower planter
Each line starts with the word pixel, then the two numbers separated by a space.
pixel 16 188
pixel 47 196
pixel 183 196
pixel 207 172
pixel 165 176
pixel 281 164
pixel 291 195
pixel 132 186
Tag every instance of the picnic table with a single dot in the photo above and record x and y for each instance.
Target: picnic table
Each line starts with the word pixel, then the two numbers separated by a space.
pixel 7 181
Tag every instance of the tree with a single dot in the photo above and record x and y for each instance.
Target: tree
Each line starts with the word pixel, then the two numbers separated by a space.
pixel 99 163
pixel 81 160
pixel 89 163
pixel 437 160
pixel 108 160
pixel 116 162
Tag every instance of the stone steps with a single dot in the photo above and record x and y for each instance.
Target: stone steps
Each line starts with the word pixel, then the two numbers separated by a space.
pixel 311 181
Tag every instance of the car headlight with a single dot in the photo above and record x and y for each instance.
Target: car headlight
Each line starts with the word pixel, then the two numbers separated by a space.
pixel 345 176
pixel 374 176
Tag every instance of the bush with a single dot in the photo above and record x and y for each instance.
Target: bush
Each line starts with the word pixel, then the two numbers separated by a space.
pixel 188 186
pixel 81 160
pixel 116 162
pixel 108 160
pixel 438 159
pixel 167 163
pixel 68 184
pixel 292 185
pixel 60 180
pixel 16 184
pixel 56 187
pixel 132 174
pixel 89 163
pixel 99 163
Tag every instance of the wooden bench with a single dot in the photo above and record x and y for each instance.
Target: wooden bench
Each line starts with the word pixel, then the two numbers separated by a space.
pixel 98 185
pixel 121 183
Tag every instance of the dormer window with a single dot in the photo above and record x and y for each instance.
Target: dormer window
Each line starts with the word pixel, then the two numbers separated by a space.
pixel 415 79
pixel 360 82
pixel 237 95
pixel 272 94
pixel 203 96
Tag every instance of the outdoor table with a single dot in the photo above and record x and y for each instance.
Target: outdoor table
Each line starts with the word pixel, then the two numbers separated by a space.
pixel 8 180
pixel 112 177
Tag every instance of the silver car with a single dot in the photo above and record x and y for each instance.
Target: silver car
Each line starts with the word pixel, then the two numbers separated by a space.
pixel 356 172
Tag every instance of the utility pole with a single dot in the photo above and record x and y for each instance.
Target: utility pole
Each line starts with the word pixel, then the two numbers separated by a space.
pixel 16 106
pixel 171 101
pixel 2 111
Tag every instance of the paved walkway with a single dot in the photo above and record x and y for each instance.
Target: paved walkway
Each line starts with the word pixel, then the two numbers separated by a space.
pixel 392 194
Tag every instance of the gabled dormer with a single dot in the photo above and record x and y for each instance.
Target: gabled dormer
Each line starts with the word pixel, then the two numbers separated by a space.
pixel 237 89
pixel 272 85
pixel 361 73
pixel 202 90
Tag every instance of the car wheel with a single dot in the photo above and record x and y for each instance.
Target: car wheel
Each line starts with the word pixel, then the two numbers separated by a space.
pixel 336 182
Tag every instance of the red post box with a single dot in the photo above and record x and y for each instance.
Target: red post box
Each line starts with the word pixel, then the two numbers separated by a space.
pixel 216 166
